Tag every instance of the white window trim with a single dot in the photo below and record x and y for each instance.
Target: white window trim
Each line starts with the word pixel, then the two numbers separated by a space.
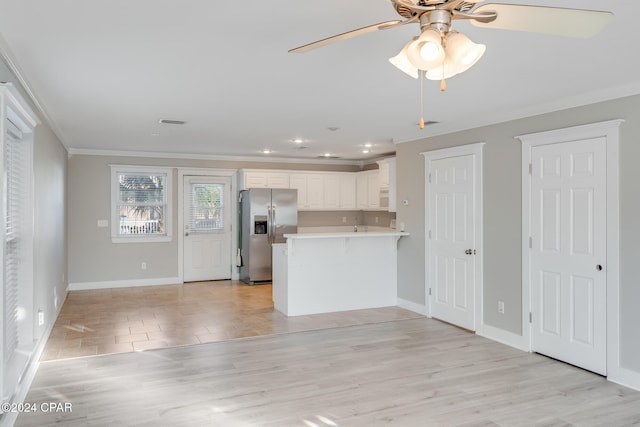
pixel 116 237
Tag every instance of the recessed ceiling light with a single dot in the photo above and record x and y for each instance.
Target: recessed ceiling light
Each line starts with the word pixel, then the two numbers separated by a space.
pixel 327 154
pixel 333 128
pixel 368 145
pixel 297 140
pixel 171 122
pixel 365 151
pixel 267 151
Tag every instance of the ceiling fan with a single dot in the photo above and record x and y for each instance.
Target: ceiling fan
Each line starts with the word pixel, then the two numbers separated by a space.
pixel 441 52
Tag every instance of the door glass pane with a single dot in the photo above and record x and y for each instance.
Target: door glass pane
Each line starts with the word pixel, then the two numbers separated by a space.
pixel 207 207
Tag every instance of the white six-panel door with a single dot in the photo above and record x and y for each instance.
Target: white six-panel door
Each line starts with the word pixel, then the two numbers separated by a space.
pixel 568 252
pixel 451 239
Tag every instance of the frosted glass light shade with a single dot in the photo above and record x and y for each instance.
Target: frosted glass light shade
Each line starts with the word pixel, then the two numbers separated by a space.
pixel 401 61
pixel 426 52
pixel 461 54
pixel 462 51
pixel 438 74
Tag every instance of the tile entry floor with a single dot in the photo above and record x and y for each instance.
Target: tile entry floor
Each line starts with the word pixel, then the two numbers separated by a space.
pixel 125 320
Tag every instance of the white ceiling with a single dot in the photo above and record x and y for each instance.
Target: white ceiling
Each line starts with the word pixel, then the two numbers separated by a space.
pixel 105 72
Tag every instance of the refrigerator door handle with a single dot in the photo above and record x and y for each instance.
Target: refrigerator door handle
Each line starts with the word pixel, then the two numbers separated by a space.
pixel 273 224
pixel 269 223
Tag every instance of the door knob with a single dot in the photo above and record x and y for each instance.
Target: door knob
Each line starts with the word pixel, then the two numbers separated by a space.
pixel 599 267
pixel 468 252
pixel 186 234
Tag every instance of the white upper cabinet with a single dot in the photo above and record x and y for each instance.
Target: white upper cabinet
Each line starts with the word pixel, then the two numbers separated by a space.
pixel 332 191
pixel 264 179
pixel 368 190
pixel 348 190
pixel 319 190
pixel 310 188
pixel 388 182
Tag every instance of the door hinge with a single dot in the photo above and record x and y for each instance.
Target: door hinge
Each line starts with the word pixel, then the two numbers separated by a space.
pixel 429 291
pixel 429 177
pixel 530 168
pixel 530 242
pixel 530 317
pixel 429 234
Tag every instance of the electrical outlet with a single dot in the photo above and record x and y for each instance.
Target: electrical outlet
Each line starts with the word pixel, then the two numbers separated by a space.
pixel 143 265
pixel 40 317
pixel 501 307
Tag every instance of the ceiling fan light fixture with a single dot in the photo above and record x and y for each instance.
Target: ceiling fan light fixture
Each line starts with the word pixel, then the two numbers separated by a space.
pixel 461 54
pixel 426 52
pixel 462 51
pixel 402 63
pixel 443 72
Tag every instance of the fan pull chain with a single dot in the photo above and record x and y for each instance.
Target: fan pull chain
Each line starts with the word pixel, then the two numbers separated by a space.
pixel 443 82
pixel 421 77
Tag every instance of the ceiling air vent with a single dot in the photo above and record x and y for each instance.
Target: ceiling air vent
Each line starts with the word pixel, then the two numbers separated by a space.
pixel 328 157
pixel 171 122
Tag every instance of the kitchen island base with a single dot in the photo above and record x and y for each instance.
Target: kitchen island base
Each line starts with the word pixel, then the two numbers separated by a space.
pixel 329 272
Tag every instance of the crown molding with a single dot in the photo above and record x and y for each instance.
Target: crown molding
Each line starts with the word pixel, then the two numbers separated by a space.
pixel 9 59
pixel 188 156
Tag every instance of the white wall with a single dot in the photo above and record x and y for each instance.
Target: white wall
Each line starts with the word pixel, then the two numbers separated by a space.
pixel 502 214
pixel 93 258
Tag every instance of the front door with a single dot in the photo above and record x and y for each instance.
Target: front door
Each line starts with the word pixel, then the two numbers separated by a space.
pixel 207 228
pixel 568 252
pixel 452 260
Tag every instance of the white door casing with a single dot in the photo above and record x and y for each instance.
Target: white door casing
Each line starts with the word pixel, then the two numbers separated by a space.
pixel 453 206
pixel 568 252
pixel 206 243
pixel 602 139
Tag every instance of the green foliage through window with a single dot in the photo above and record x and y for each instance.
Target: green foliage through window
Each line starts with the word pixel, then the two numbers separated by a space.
pixel 142 203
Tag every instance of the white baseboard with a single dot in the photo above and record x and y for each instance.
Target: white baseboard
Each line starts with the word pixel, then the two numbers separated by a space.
pixel 81 286
pixel 412 306
pixel 503 337
pixel 625 377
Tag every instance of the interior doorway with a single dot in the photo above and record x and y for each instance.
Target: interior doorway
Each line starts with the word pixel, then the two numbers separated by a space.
pixel 453 207
pixel 570 244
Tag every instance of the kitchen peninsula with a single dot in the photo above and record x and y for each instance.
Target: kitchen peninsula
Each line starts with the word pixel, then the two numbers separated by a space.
pixel 321 272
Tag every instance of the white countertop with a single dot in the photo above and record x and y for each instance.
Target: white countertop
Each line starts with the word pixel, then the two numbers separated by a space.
pixel 377 232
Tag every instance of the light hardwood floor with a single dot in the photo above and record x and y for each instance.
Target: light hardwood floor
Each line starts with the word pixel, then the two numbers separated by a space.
pixel 135 319
pixel 417 372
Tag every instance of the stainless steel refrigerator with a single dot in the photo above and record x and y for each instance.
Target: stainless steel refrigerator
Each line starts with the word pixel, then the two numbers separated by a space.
pixel 266 215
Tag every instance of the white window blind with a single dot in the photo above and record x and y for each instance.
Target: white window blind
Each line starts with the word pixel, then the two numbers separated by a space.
pixel 206 208
pixel 141 204
pixel 15 168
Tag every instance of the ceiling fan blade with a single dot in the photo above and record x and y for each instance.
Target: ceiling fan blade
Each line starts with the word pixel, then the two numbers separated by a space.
pixel 348 35
pixel 547 20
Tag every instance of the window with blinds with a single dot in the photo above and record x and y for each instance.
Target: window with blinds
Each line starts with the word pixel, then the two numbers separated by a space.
pixel 15 167
pixel 206 208
pixel 141 204
pixel 16 173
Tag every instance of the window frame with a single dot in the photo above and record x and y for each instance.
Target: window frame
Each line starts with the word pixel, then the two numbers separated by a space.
pixel 116 237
